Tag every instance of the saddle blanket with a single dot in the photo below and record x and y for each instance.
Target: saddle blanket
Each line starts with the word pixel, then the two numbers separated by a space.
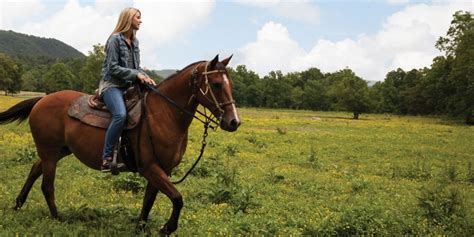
pixel 81 110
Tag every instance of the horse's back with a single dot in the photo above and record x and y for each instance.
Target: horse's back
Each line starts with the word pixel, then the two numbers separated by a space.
pixel 48 116
pixel 54 105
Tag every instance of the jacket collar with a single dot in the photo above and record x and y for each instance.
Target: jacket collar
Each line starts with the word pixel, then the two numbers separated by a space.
pixel 122 37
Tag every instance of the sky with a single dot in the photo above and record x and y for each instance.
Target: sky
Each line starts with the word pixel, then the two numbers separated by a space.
pixel 371 37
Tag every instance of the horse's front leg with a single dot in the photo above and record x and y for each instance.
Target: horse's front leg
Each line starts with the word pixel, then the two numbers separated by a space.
pixel 148 200
pixel 160 180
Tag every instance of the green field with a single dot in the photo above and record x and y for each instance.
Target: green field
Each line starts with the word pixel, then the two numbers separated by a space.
pixel 283 172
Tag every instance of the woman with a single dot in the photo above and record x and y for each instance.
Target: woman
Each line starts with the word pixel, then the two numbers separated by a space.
pixel 120 69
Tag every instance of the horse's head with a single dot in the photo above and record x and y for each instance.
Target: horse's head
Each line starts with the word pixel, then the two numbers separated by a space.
pixel 215 92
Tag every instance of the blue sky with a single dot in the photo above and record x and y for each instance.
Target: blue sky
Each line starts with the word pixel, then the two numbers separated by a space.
pixel 371 37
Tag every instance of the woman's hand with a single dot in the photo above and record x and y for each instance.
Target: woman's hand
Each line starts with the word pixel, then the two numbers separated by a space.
pixel 144 79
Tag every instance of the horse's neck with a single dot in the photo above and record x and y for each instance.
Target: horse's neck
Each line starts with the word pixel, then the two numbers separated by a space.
pixel 179 91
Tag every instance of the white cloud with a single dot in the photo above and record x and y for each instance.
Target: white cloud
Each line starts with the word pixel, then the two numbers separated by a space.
pixel 13 12
pixel 406 40
pixel 79 26
pixel 272 50
pixel 397 2
pixel 166 21
pixel 300 10
pixel 82 26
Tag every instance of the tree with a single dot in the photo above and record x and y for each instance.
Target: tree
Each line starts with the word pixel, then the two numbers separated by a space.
pixel 297 97
pixel 437 89
pixel 76 65
pixel 10 75
pixel 247 87
pixel 58 77
pixel 410 93
pixel 315 95
pixel 459 44
pixel 391 91
pixel 277 90
pixel 377 97
pixel 350 92
pixel 312 83
pixel 32 80
pixel 91 72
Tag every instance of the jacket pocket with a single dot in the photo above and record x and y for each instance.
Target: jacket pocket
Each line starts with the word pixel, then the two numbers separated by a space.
pixel 124 55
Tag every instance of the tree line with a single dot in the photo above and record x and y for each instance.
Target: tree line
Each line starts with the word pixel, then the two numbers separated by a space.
pixel 444 88
pixel 45 74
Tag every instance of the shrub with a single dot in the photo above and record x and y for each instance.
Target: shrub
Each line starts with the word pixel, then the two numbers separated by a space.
pixel 470 173
pixel 314 159
pixel 450 172
pixel 130 182
pixel 244 199
pixel 418 170
pixel 253 140
pixel 281 131
pixel 208 167
pixel 227 189
pixel 26 155
pixel 224 187
pixel 443 207
pixel 273 177
pixel 231 149
pixel 359 185
pixel 362 219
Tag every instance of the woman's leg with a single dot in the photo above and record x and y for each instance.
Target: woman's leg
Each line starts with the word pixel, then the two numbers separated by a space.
pixel 113 98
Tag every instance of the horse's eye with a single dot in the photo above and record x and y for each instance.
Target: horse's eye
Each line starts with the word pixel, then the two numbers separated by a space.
pixel 216 86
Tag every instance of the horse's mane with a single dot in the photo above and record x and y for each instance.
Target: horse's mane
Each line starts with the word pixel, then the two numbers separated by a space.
pixel 170 77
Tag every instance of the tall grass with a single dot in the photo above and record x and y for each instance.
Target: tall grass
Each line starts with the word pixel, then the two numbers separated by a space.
pixel 282 173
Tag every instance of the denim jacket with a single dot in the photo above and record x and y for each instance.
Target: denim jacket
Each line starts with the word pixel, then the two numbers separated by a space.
pixel 115 65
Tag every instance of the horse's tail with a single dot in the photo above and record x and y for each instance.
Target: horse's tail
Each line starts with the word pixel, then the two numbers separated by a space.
pixel 19 112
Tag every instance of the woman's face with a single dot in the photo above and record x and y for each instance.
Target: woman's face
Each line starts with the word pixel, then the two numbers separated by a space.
pixel 136 21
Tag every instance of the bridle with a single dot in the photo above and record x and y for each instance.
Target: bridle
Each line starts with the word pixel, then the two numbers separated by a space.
pixel 194 82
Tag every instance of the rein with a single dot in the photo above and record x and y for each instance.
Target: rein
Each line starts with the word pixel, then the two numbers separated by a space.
pixel 209 120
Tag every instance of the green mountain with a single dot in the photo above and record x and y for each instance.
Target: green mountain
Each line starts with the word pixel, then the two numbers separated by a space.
pixel 21 45
pixel 165 72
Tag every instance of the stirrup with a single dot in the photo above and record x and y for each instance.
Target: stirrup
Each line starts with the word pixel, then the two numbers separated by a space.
pixel 114 166
pixel 109 166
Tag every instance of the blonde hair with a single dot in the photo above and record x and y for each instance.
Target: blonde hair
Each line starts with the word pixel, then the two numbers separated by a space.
pixel 124 22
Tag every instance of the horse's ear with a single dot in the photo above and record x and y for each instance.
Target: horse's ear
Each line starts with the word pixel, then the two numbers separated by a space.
pixel 227 60
pixel 214 61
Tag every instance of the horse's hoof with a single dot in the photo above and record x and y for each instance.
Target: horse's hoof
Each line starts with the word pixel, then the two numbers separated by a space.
pixel 165 230
pixel 57 218
pixel 141 227
pixel 17 206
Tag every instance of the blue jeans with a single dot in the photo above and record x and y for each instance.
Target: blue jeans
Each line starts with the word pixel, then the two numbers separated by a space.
pixel 113 98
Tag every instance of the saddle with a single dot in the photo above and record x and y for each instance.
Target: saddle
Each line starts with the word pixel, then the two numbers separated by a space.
pixel 91 110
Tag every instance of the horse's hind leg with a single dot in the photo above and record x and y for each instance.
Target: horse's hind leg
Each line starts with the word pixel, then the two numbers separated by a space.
pixel 49 173
pixel 50 155
pixel 35 172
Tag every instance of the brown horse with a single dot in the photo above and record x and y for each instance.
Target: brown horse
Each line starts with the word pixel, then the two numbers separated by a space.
pixel 162 140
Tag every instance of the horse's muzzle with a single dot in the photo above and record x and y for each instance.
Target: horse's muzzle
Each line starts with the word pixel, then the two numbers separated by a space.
pixel 230 125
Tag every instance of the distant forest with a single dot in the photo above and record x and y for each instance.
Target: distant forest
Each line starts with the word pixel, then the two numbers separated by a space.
pixel 445 88
pixel 22 45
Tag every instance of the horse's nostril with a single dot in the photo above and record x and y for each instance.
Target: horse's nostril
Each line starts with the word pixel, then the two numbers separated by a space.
pixel 234 123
